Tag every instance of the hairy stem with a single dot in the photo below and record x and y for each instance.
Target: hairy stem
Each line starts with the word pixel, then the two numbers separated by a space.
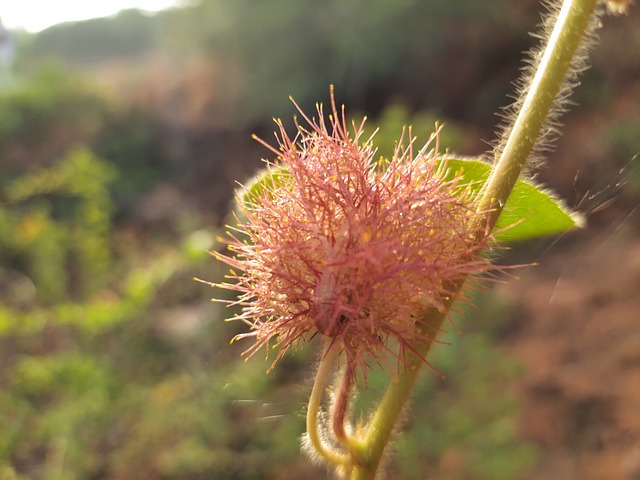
pixel 564 41
pixel 341 403
pixel 370 449
pixel 325 452
pixel 571 26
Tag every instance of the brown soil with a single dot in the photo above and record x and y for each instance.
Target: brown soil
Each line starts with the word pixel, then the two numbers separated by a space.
pixel 576 326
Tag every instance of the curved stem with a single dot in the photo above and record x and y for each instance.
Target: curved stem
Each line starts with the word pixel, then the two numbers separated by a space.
pixel 340 406
pixel 329 357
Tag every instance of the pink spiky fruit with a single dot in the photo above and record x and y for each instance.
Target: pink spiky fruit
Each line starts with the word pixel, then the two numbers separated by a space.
pixel 348 247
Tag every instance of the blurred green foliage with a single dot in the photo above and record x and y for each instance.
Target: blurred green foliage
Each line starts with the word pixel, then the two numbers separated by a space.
pixel 58 225
pixel 91 383
pixel 129 34
pixel 265 52
pixel 371 50
pixel 41 116
pixel 47 113
pixel 397 118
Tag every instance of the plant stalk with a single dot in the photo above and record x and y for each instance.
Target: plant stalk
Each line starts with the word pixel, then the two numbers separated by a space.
pixel 340 406
pixel 370 449
pixel 329 356
pixel 565 39
pixel 570 28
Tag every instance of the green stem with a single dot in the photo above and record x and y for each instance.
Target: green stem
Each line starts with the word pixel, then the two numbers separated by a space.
pixel 369 450
pixel 329 356
pixel 569 30
pixel 564 41
pixel 379 431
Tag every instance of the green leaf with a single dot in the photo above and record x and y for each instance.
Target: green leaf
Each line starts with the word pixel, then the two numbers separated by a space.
pixel 262 184
pixel 530 211
pixel 265 180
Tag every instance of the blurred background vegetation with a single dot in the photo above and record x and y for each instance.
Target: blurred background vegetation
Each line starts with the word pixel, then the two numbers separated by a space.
pixel 120 141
